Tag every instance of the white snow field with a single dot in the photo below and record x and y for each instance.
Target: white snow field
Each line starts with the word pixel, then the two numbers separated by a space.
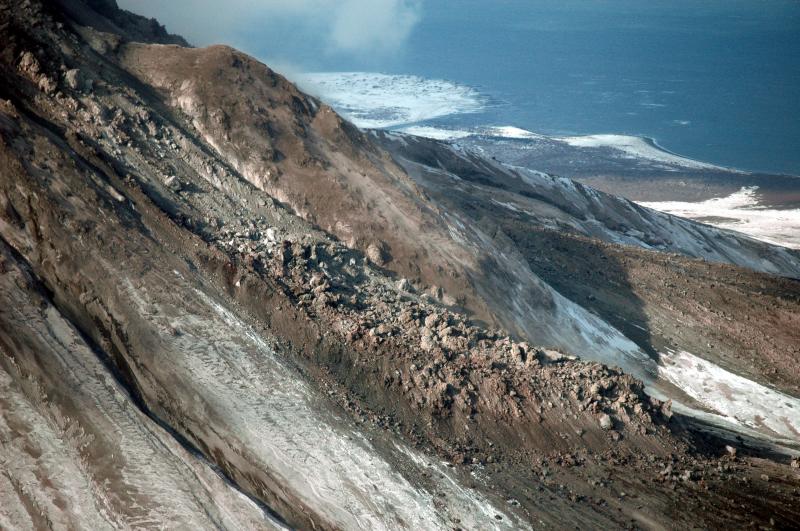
pixel 740 211
pixel 436 133
pixel 440 133
pixel 738 399
pixel 637 148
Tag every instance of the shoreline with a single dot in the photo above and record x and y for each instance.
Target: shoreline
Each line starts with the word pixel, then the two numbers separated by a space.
pixel 398 102
pixel 598 140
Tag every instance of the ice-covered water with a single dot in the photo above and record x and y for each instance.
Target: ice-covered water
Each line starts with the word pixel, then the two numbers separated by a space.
pixel 411 103
pixel 380 100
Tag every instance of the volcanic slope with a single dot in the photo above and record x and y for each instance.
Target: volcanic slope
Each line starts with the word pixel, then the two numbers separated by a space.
pixel 334 176
pixel 219 279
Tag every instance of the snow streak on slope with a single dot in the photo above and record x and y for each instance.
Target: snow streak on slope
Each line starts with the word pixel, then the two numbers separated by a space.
pixel 436 133
pixel 268 410
pixel 441 133
pixel 651 228
pixel 739 399
pixel 374 100
pixel 74 446
pixel 740 211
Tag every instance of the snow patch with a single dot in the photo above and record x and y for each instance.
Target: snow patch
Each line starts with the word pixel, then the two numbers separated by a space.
pixel 436 133
pixel 740 211
pixel 611 347
pixel 633 147
pixel 739 399
pixel 509 131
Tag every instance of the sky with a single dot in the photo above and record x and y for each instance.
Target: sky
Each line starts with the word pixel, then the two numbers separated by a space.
pixel 290 31
pixel 325 35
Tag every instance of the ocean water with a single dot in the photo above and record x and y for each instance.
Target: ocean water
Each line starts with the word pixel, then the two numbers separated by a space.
pixel 712 80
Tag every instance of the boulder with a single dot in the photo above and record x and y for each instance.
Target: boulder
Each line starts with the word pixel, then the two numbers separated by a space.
pixel 376 253
pixel 173 183
pixel 74 79
pixel 404 285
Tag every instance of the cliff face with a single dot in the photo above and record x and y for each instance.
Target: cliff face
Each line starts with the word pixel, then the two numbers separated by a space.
pixel 223 306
